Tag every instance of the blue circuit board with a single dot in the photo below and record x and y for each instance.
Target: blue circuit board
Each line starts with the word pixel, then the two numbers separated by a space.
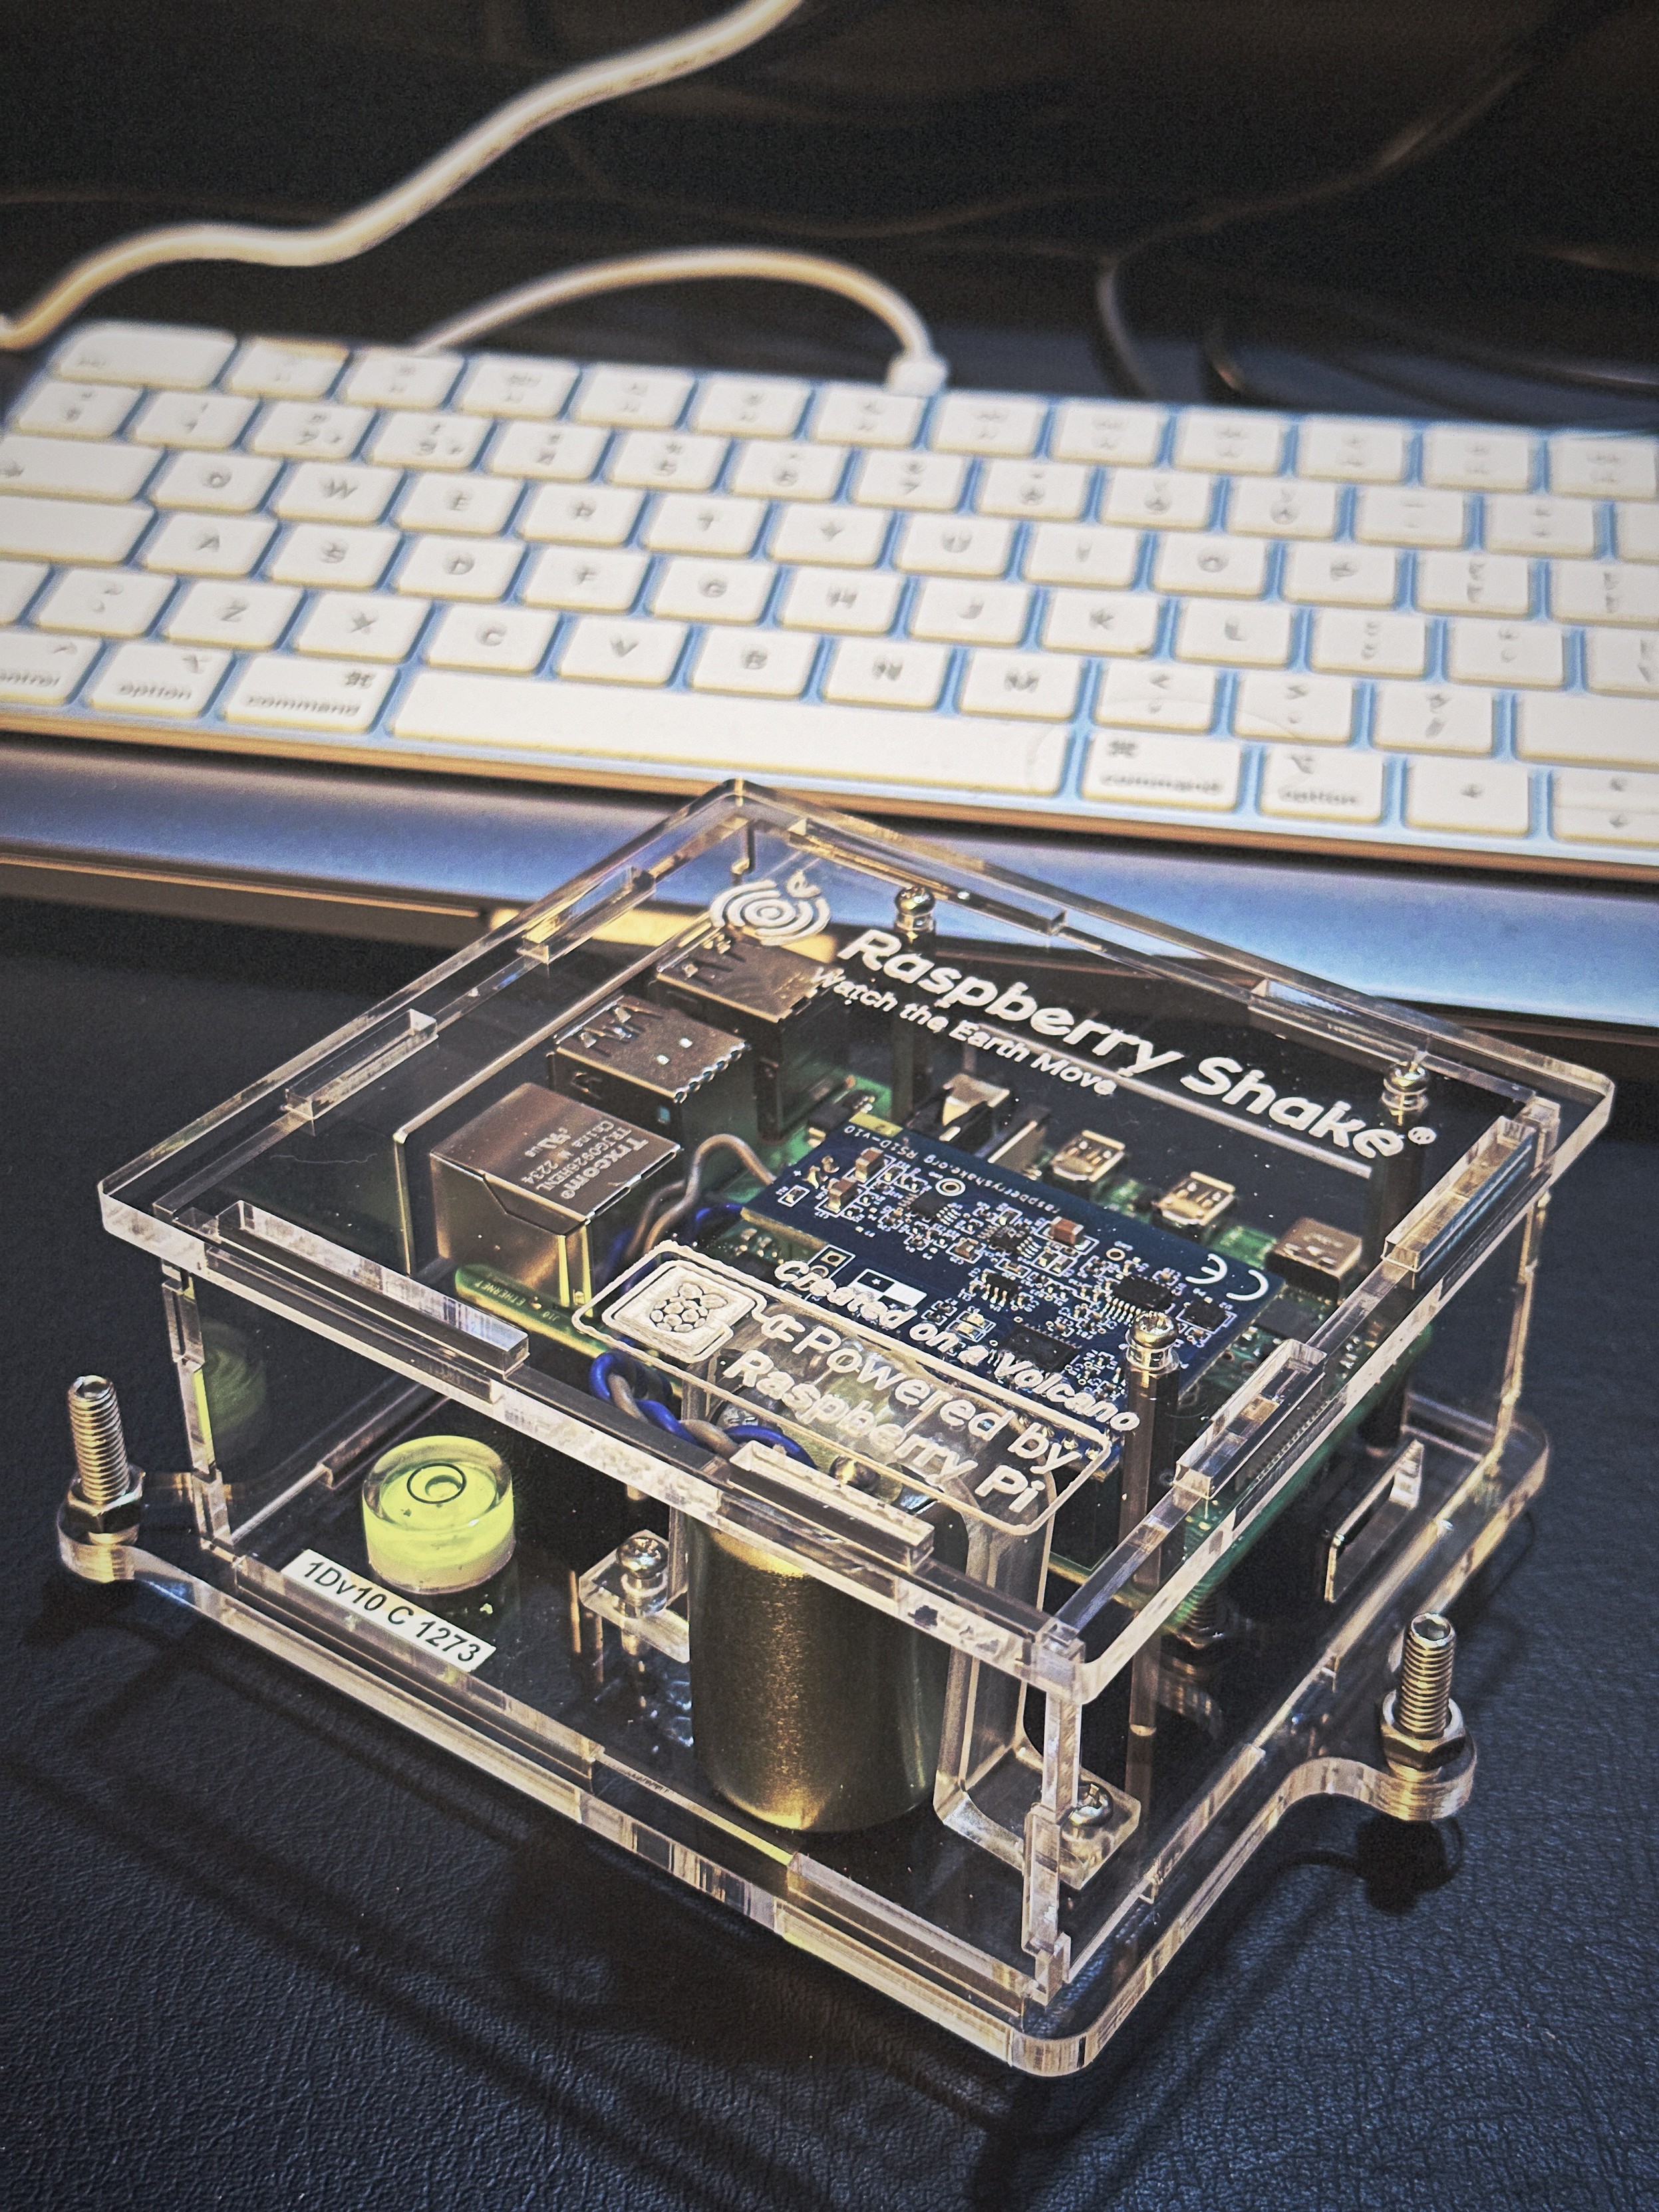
pixel 1023 1285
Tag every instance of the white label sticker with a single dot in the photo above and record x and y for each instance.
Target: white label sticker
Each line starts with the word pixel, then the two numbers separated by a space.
pixel 403 1617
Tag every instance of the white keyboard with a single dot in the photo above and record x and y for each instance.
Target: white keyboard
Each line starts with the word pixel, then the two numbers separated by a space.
pixel 1436 641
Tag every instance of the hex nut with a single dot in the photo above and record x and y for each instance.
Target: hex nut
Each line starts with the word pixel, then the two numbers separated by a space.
pixel 114 1524
pixel 1421 1755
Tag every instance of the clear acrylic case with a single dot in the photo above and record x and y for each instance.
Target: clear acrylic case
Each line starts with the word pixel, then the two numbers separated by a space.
pixel 970 1630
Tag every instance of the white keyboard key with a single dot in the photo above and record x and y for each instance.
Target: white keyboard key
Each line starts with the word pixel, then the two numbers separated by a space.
pixel 1046 491
pixel 106 603
pixel 294 432
pixel 427 441
pixel 1623 661
pixel 267 369
pixel 203 422
pixel 77 410
pixel 552 452
pixel 1614 732
pixel 1402 516
pixel 1432 718
pixel 1492 801
pixel 277 692
pixel 827 598
pixel 361 625
pixel 519 385
pixel 667 458
pixel 1324 786
pixel 1155 695
pixel 1473 583
pixel 1539 525
pixel 1604 468
pixel 1355 644
pixel 512 639
pixel 214 483
pixel 586 582
pixel 1055 555
pixel 767 468
pixel 1101 622
pixel 316 553
pixel 1030 685
pixel 680 522
pixel 318 492
pixel 1161 497
pixel 19 582
pixel 969 613
pixel 475 506
pixel 713 591
pixel 145 353
pixel 1352 451
pixel 581 514
pixel 1224 568
pixel 632 399
pixel 176 681
pixel 763 663
pixel 643 652
pixel 864 415
pixel 1604 592
pixel 750 406
pixel 1458 459
pixel 986 423
pixel 706 734
pixel 1127 436
pixel 42 671
pixel 209 544
pixel 381 378
pixel 1187 772
pixel 931 481
pixel 844 537
pixel 458 568
pixel 1282 507
pixel 1237 637
pixel 250 614
pixel 67 468
pixel 889 674
pixel 1636 525
pixel 1309 709
pixel 1341 575
pixel 1589 807
pixel 954 545
pixel 75 530
pixel 1505 652
pixel 1240 442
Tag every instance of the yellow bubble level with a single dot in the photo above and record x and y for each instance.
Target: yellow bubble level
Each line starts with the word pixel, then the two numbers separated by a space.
pixel 438 1515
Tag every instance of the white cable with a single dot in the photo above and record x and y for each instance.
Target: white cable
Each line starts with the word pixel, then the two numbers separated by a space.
pixel 916 368
pixel 379 219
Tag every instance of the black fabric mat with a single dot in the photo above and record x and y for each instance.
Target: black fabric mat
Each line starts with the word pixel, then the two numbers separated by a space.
pixel 262 1950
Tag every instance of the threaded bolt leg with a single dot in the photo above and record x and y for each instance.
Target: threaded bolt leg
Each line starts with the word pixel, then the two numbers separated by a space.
pixel 101 1472
pixel 1423 1701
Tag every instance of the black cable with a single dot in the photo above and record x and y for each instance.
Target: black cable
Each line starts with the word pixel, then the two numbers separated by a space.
pixel 1481 89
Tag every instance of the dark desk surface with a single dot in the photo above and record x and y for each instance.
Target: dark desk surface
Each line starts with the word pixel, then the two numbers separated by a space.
pixel 262 1949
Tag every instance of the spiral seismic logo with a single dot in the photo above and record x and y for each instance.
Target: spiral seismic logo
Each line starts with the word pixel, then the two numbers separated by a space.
pixel 776 914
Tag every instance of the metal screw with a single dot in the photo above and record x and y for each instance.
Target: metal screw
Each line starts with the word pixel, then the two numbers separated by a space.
pixel 1151 1345
pixel 643 1559
pixel 913 912
pixel 1423 1701
pixel 1405 1093
pixel 102 1473
pixel 1090 1814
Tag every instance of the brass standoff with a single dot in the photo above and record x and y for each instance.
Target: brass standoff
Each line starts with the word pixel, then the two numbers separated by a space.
pixel 100 1512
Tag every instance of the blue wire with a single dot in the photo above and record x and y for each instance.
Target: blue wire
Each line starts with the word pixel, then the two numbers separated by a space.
pixel 654 1410
pixel 755 1432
